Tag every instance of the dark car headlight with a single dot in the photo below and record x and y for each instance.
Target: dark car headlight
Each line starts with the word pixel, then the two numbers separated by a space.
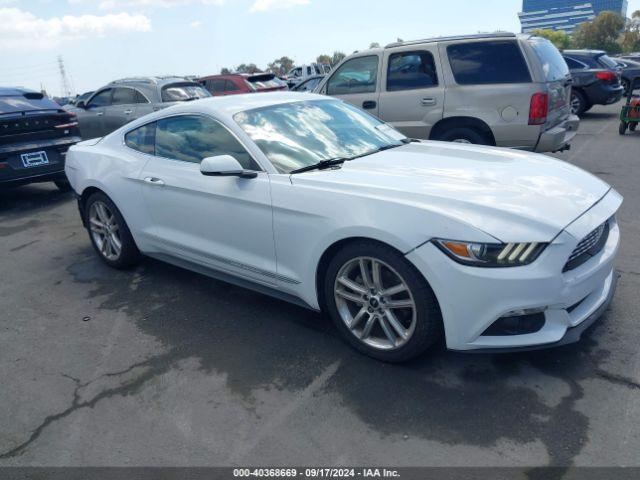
pixel 491 254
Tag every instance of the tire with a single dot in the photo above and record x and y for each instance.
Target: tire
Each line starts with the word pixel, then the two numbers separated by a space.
pixel 464 135
pixel 625 85
pixel 578 103
pixel 623 128
pixel 63 185
pixel 633 126
pixel 99 209
pixel 421 323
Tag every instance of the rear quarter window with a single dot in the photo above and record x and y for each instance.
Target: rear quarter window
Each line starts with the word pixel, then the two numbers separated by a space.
pixel 142 139
pixel 553 64
pixel 482 63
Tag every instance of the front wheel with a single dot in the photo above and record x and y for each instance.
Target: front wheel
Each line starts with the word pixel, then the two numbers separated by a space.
pixel 380 303
pixel 622 128
pixel 109 233
pixel 633 126
pixel 464 135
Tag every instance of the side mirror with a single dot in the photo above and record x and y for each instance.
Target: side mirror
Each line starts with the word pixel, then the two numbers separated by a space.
pixel 81 104
pixel 224 166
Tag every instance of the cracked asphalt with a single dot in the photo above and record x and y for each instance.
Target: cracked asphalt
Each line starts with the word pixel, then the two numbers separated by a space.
pixel 163 367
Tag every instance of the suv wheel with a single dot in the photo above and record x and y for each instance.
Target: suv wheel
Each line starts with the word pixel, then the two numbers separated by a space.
pixel 109 233
pixel 578 103
pixel 380 303
pixel 464 135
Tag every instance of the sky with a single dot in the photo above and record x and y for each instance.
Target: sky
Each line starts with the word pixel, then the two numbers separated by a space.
pixel 102 40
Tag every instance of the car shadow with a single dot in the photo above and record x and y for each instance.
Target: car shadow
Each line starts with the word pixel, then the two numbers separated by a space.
pixel 27 198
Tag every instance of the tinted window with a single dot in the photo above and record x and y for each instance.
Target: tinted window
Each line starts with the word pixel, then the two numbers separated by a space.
pixel 192 138
pixel 140 98
pixel 553 65
pixel 216 85
pixel 358 75
pixel 411 70
pixel 481 63
pixel 101 99
pixel 142 138
pixel 180 92
pixel 229 86
pixel 573 64
pixel 123 96
pixel 607 62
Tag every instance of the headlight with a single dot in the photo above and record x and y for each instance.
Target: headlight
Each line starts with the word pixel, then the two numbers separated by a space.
pixel 491 254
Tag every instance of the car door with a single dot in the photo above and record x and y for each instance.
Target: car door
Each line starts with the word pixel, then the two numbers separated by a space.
pixel 221 222
pixel 412 91
pixel 91 118
pixel 122 109
pixel 356 82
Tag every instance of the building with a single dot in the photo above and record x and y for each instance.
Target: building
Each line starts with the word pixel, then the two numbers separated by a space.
pixel 565 15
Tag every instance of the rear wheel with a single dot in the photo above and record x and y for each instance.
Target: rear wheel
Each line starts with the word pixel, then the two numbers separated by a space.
pixel 380 303
pixel 623 128
pixel 632 126
pixel 578 103
pixel 109 233
pixel 464 135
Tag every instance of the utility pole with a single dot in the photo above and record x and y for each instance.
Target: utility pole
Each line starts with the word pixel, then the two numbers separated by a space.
pixel 64 81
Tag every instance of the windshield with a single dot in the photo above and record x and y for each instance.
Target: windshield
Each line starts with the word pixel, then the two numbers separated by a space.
pixel 553 64
pixel 180 92
pixel 299 134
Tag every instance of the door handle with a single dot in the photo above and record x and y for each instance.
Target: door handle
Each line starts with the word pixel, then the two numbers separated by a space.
pixel 369 104
pixel 154 181
pixel 128 112
pixel 99 114
pixel 428 101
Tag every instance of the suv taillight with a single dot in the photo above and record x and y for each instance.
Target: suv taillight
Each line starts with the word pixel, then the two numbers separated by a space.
pixel 539 109
pixel 606 76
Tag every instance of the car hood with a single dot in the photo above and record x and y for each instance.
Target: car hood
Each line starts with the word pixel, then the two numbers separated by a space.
pixel 509 194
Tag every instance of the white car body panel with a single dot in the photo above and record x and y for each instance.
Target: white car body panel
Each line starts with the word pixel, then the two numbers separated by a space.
pixel 273 230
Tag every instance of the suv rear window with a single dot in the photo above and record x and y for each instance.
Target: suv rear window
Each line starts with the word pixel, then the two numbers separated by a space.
pixel 607 62
pixel 481 63
pixel 182 92
pixel 553 64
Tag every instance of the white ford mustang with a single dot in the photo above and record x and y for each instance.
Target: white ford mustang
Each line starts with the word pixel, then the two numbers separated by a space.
pixel 311 200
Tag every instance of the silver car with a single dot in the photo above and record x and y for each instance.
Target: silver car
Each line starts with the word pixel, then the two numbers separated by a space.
pixel 493 89
pixel 122 101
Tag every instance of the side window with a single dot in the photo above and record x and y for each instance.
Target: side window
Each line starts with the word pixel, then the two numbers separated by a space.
pixel 193 138
pixel 482 63
pixel 140 98
pixel 142 138
pixel 216 85
pixel 229 86
pixel 573 64
pixel 411 70
pixel 101 99
pixel 123 96
pixel 358 75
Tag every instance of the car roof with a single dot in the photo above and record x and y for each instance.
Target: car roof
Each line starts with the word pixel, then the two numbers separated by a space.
pixel 478 36
pixel 584 52
pixel 13 91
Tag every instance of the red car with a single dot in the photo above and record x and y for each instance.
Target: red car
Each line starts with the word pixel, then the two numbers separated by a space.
pixel 236 83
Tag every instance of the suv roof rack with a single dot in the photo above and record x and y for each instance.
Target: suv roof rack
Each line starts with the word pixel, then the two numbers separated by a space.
pixel 457 37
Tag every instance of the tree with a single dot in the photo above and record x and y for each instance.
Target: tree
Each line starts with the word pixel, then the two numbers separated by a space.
pixel 630 38
pixel 324 59
pixel 225 71
pixel 247 68
pixel 337 57
pixel 280 66
pixel 601 34
pixel 374 45
pixel 560 39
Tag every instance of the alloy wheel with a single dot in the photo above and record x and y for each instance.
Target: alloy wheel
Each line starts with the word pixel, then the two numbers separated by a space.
pixel 105 230
pixel 575 104
pixel 375 303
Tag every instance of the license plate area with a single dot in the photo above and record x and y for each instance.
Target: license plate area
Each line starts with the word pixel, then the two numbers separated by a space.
pixel 34 159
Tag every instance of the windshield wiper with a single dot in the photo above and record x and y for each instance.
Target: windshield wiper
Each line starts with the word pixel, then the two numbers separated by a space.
pixel 321 165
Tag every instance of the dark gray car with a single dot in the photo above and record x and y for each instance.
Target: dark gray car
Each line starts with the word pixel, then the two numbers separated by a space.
pixel 122 101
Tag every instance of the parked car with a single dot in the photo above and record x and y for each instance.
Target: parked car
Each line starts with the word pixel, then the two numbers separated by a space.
pixel 492 89
pixel 635 56
pixel 596 79
pixel 35 134
pixel 308 85
pixel 629 70
pixel 231 84
pixel 78 98
pixel 314 201
pixel 122 101
pixel 298 74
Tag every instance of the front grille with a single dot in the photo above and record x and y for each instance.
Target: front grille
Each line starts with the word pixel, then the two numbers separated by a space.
pixel 588 247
